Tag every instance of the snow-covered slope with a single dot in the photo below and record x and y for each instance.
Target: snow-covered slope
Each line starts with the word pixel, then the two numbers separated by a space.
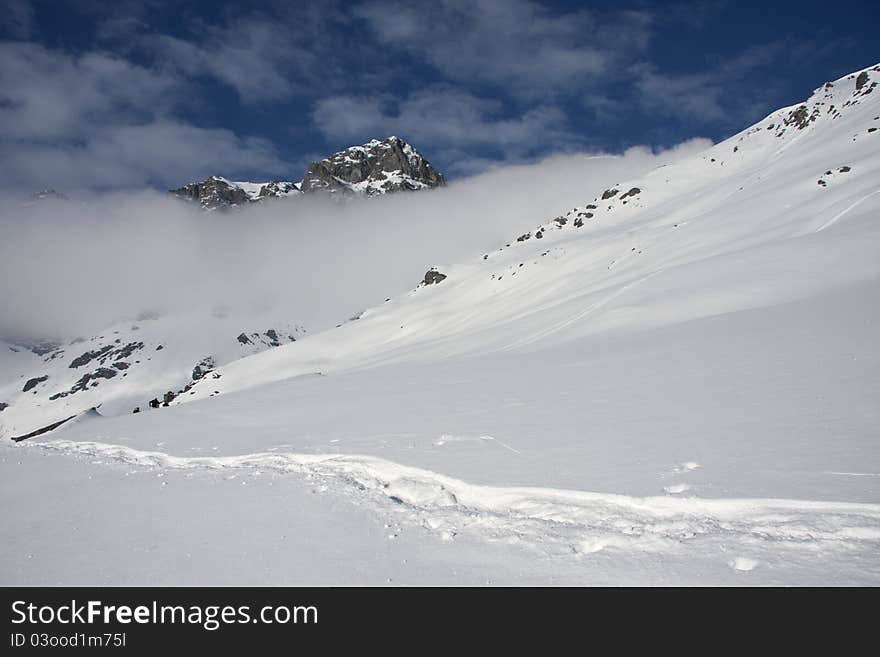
pixel 125 366
pixel 675 382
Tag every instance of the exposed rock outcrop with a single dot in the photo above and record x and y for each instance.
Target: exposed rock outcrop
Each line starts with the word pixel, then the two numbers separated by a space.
pixel 204 367
pixel 377 167
pixel 217 192
pixel 34 382
pixel 432 276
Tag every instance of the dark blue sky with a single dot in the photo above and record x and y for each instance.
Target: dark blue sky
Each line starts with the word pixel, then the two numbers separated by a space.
pixel 145 92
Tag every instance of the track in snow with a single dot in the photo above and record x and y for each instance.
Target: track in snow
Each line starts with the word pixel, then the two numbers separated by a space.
pixel 557 521
pixel 840 214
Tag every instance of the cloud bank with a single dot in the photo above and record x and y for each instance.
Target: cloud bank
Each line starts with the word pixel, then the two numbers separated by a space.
pixel 98 120
pixel 71 268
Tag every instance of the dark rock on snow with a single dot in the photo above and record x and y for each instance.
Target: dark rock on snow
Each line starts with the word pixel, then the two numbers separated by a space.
pixel 127 350
pixel 204 366
pixel 432 276
pixel 33 383
pixel 90 378
pixel 43 430
pixel 211 193
pixel 89 356
pixel 272 334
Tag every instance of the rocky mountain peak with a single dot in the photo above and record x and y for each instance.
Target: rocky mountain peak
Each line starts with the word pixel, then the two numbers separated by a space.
pixel 218 192
pixel 211 193
pixel 376 167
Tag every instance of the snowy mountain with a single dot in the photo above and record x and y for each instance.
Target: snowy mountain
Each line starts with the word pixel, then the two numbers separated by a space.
pixel 674 382
pixel 217 192
pixel 124 366
pixel 789 177
pixel 377 167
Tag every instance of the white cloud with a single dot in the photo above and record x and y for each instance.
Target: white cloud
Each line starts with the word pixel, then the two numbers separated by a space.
pixel 162 152
pixel 519 45
pixel 255 58
pixel 721 93
pixel 281 51
pixel 48 94
pixel 316 261
pixel 97 120
pixel 448 118
pixel 697 96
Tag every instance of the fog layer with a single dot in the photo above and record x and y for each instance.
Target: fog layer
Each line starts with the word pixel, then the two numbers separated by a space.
pixel 71 268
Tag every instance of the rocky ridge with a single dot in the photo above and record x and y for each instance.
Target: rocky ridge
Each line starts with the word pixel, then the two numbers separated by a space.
pixel 375 168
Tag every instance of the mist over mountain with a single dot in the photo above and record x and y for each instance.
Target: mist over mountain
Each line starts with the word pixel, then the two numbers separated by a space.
pixel 72 268
pixel 381 293
pixel 375 168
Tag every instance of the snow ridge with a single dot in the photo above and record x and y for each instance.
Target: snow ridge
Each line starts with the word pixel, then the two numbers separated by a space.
pixel 570 520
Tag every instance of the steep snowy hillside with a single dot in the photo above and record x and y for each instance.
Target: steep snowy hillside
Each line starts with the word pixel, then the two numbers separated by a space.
pixel 740 226
pixel 674 383
pixel 125 366
pixel 377 167
pixel 16 358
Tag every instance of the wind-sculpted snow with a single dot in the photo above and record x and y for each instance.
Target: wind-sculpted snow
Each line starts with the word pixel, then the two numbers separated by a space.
pixel 557 520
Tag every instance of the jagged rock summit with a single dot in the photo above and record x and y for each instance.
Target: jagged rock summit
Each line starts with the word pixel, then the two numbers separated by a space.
pixel 218 192
pixel 377 167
